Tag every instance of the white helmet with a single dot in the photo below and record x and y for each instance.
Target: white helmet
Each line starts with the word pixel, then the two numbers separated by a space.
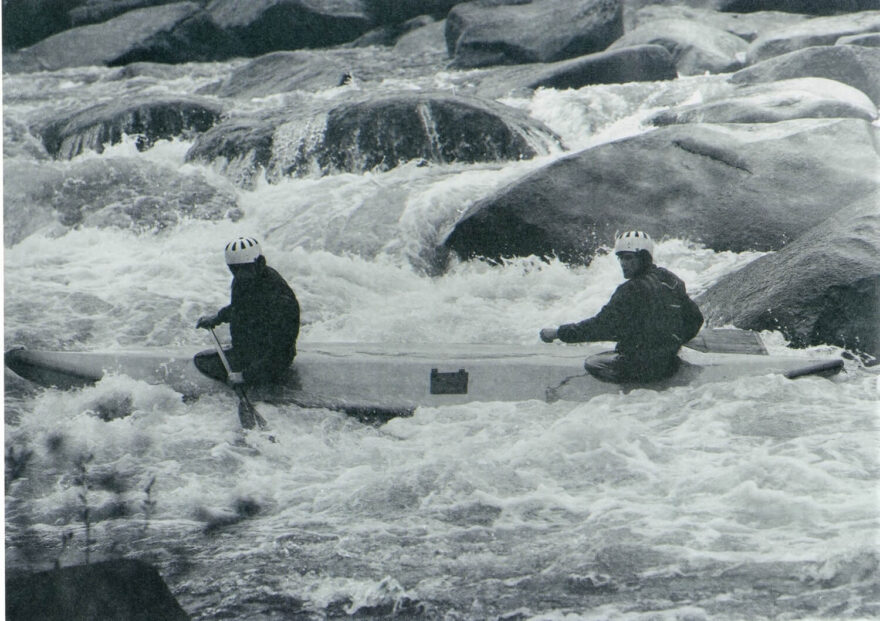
pixel 242 250
pixel 633 241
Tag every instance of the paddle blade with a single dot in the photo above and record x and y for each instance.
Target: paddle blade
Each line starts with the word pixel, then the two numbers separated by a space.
pixel 247 413
pixel 727 341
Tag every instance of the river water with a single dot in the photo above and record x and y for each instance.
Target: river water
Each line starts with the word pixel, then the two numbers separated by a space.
pixel 754 498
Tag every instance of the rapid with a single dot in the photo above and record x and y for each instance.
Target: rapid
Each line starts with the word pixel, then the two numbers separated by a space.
pixel 753 498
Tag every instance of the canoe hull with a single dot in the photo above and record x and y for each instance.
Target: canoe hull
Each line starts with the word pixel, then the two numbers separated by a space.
pixel 394 380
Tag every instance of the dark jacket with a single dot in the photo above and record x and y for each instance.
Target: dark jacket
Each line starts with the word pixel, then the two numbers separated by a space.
pixel 650 316
pixel 264 324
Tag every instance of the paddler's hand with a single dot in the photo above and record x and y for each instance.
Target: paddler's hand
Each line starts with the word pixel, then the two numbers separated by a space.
pixel 207 322
pixel 548 335
pixel 235 378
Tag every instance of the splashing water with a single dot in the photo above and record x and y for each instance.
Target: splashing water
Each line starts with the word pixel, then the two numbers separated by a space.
pixel 750 498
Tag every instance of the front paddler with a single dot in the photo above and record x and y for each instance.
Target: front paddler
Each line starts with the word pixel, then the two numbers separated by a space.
pixel 263 318
pixel 650 316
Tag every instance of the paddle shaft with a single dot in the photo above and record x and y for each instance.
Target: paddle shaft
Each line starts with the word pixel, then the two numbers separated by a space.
pixel 247 413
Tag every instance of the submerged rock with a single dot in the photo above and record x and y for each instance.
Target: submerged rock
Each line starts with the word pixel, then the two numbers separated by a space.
pixel 729 187
pixel 696 48
pixel 851 64
pixel 121 589
pixel 824 287
pixel 479 35
pixel 379 134
pixel 105 124
pixel 173 33
pixel 771 102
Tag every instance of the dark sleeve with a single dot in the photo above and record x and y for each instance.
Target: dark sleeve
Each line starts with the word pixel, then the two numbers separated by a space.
pixel 691 319
pixel 224 314
pixel 606 325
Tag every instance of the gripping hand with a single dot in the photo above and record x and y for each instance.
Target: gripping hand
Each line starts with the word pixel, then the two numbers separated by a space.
pixel 548 335
pixel 207 322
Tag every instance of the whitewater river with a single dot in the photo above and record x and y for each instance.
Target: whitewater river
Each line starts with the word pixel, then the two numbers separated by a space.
pixel 754 498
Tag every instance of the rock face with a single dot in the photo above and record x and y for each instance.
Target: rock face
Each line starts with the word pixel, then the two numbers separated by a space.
pixel 270 25
pixel 173 33
pixel 746 26
pixel 730 187
pixel 122 589
pixel 241 148
pixel 771 102
pixel 641 63
pixel 478 35
pixel 813 7
pixel 281 72
pixel 854 65
pixel 382 133
pixel 105 124
pixel 811 33
pixel 696 48
pixel 822 288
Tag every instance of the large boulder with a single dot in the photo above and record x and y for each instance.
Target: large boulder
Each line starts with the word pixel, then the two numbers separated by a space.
pixel 399 11
pixel 824 287
pixel 380 134
pixel 271 25
pixel 281 72
pixel 866 40
pixel 173 33
pixel 150 120
pixel 240 148
pixel 427 40
pixel 695 47
pixel 730 187
pixel 771 102
pixel 641 63
pixel 27 21
pixel 96 11
pixel 479 35
pixel 811 33
pixel 856 66
pixel 747 26
pixel 812 7
pixel 118 589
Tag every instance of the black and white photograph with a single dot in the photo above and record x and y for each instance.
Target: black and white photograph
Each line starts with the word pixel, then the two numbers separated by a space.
pixel 441 310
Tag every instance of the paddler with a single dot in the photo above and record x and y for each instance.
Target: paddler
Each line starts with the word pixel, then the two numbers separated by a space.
pixel 650 316
pixel 263 318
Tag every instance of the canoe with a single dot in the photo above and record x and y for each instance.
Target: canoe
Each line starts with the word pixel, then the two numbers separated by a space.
pixel 378 381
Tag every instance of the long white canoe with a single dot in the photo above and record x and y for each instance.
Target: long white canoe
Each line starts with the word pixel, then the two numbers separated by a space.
pixel 379 381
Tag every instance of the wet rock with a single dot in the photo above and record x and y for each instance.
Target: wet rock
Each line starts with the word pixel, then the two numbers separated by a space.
pixel 240 147
pixel 399 11
pixel 824 287
pixel 376 134
pixel 271 25
pixel 771 102
pixel 388 34
pixel 281 72
pixel 729 187
pixel 642 63
pixel 105 124
pixel 119 589
pixel 813 7
pixel 26 22
pixel 747 26
pixel 384 133
pixel 173 33
pixel 856 66
pixel 811 33
pixel 478 35
pixel 429 39
pixel 96 11
pixel 696 48
pixel 864 40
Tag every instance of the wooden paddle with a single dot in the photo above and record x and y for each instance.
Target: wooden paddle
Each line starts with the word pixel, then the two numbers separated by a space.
pixel 247 413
